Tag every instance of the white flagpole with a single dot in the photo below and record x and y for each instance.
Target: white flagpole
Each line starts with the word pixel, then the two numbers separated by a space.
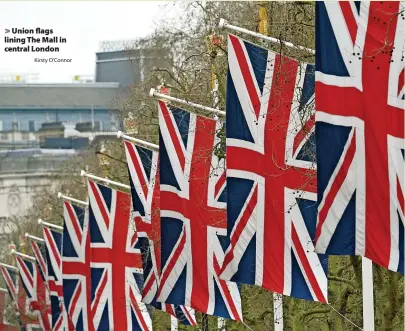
pixel 213 111
pixel 9 267
pixel 104 180
pixel 224 24
pixel 34 238
pixel 368 294
pixel 221 323
pixel 50 225
pixel 24 256
pixel 278 312
pixel 174 324
pixel 139 142
pixel 70 199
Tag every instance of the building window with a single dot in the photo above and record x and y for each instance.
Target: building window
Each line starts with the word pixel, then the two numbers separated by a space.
pixel 4 136
pixel 114 126
pixel 31 126
pixel 15 126
pixel 98 126
pixel 25 136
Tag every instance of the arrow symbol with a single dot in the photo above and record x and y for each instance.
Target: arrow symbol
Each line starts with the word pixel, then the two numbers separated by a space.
pixel 7 30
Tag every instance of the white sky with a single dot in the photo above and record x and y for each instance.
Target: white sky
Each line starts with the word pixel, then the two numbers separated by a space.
pixel 83 23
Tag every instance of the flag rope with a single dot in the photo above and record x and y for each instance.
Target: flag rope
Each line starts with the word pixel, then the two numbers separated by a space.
pixel 246 325
pixel 344 317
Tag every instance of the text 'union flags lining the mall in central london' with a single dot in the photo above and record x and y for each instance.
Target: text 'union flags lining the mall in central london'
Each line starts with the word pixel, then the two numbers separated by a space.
pixel 193 215
pixel 116 265
pixel 360 130
pixel 144 178
pixel 271 174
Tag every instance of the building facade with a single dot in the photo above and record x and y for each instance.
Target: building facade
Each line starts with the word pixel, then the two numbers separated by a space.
pixel 127 64
pixel 25 107
pixel 41 127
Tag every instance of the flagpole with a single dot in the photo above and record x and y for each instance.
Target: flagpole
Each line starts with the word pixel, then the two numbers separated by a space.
pixel 24 256
pixel 224 24
pixel 368 294
pixel 154 93
pixel 14 302
pixel 9 267
pixel 83 173
pixel 76 201
pixel 174 325
pixel 211 43
pixel 263 28
pixel 50 225
pixel 136 141
pixel 14 269
pixel 34 238
pixel 278 312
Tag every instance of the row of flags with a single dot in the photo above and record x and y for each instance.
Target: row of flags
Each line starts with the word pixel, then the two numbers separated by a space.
pixel 31 307
pixel 296 186
pixel 4 325
pixel 27 320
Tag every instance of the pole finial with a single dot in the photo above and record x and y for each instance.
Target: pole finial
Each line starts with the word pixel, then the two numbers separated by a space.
pixel 152 92
pixel 119 134
pixel 221 23
pixel 82 173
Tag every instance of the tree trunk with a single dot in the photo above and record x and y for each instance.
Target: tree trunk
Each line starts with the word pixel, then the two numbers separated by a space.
pixel 392 301
pixel 204 322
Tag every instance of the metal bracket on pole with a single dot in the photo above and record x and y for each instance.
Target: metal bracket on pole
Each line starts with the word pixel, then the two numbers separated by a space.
pixel 136 141
pixel 34 238
pixel 50 225
pixel 213 111
pixel 9 267
pixel 24 256
pixel 104 180
pixel 66 198
pixel 224 24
